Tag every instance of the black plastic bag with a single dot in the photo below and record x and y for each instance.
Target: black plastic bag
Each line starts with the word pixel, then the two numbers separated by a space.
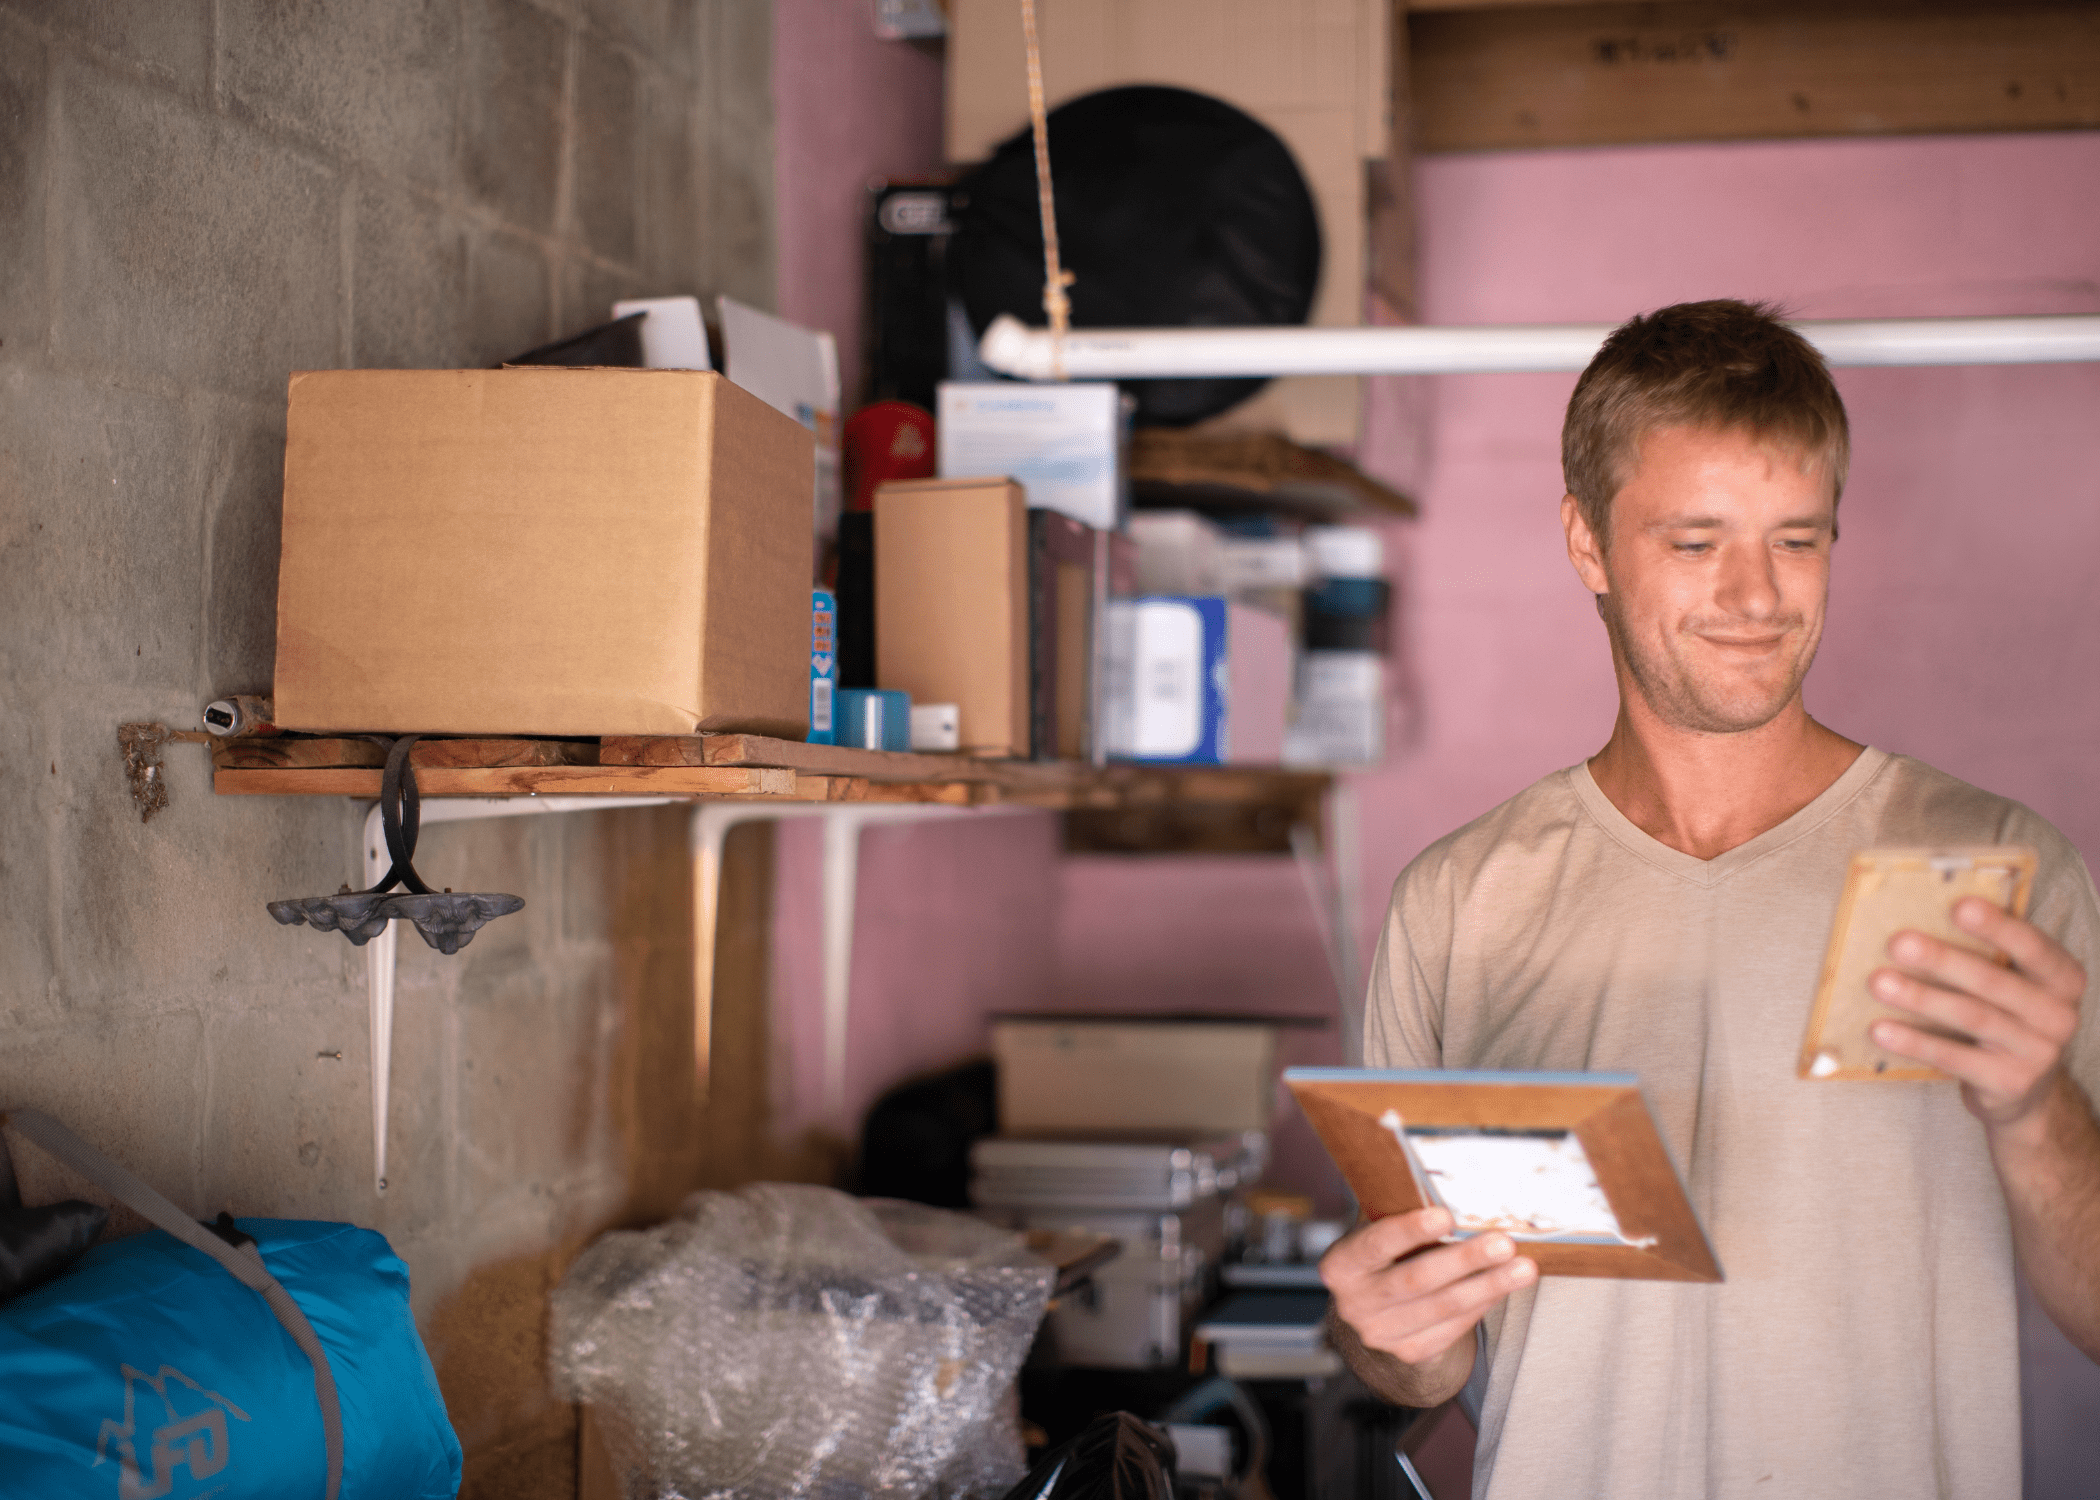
pixel 916 1144
pixel 1117 1457
pixel 38 1243
pixel 1174 209
pixel 618 343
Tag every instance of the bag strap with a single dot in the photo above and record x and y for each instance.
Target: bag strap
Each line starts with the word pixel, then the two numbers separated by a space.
pixel 244 1265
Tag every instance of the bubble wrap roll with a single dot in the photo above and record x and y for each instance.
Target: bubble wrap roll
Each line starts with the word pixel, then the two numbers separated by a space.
pixel 785 1341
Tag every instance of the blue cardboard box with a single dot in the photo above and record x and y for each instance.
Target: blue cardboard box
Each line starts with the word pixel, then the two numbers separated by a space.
pixel 823 665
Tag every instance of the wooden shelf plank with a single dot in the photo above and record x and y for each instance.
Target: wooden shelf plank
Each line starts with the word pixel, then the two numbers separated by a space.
pixel 521 781
pixel 859 789
pixel 289 752
pixel 1054 782
pixel 753 766
pixel 820 760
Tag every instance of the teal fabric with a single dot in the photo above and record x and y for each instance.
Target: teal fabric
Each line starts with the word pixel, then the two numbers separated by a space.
pixel 148 1373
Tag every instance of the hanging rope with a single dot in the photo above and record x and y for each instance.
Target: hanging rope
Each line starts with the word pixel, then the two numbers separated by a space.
pixel 1055 277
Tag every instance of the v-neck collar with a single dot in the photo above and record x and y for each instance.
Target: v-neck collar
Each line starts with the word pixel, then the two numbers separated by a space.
pixel 1638 841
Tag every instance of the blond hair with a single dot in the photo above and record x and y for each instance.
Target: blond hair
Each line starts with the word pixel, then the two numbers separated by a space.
pixel 1722 365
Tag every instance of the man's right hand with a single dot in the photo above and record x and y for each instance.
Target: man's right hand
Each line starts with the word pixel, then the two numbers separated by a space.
pixel 1408 1304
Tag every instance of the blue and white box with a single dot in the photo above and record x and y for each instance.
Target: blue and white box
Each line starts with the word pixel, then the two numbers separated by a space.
pixel 823 664
pixel 1165 689
pixel 1062 443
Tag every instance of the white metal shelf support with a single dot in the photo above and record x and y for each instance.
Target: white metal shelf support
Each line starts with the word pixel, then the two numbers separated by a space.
pixel 710 825
pixel 382 952
pixel 1330 885
pixel 1328 863
pixel 844 823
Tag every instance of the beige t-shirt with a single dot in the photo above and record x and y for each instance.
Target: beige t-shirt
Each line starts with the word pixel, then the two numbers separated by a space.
pixel 1864 1343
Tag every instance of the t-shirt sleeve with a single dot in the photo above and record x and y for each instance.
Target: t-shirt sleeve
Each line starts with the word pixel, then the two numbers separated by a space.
pixel 2065 906
pixel 1403 1014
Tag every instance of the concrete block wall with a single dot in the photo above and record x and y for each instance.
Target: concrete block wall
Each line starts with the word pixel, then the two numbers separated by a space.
pixel 198 197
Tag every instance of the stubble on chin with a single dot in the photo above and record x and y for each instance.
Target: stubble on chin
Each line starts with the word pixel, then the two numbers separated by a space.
pixel 1677 696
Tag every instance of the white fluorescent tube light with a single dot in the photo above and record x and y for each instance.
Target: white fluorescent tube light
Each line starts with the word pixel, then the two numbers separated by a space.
pixel 1012 348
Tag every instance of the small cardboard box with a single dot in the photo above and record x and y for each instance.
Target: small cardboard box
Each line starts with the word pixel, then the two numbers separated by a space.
pixel 951 603
pixel 1077 1076
pixel 542 551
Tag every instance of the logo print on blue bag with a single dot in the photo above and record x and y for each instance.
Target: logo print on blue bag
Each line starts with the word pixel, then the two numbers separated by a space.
pixel 197 1441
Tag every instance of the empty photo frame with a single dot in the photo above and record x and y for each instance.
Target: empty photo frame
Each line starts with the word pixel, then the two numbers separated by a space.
pixel 1888 891
pixel 1569 1165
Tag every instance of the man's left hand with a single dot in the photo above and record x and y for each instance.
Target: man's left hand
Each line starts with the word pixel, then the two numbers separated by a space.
pixel 2021 1017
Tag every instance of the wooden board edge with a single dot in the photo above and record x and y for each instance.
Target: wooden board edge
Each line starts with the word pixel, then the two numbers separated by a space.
pixel 521 781
pixel 1353 1140
pixel 1626 1149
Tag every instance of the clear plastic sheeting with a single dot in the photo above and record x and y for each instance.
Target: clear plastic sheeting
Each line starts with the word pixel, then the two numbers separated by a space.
pixel 786 1341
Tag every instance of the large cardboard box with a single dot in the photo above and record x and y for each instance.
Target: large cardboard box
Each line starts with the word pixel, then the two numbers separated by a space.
pixel 951 603
pixel 542 551
pixel 1073 1077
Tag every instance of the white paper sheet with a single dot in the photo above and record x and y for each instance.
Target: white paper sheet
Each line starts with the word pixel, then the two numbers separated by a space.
pixel 673 337
pixel 1530 1186
pixel 795 371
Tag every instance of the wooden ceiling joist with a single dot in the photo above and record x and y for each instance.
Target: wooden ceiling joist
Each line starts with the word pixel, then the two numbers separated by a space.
pixel 1486 75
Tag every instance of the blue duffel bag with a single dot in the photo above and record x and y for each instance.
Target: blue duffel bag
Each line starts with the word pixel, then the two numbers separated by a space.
pixel 172 1365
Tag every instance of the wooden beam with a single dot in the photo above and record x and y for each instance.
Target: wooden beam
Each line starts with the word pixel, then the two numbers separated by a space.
pixel 859 789
pixel 1416 7
pixel 286 752
pixel 1191 807
pixel 432 754
pixel 519 781
pixel 1588 75
pixel 818 760
pixel 1182 828
pixel 1389 183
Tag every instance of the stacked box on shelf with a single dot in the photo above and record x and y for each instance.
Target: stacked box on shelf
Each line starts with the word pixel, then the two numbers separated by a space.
pixel 951 604
pixel 542 551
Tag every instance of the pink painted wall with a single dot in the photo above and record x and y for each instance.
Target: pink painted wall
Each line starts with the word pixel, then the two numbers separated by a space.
pixel 954 918
pixel 1958 630
pixel 955 921
pixel 848 107
pixel 1962 627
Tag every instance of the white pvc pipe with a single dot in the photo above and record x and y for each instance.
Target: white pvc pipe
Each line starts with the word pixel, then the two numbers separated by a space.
pixel 1012 348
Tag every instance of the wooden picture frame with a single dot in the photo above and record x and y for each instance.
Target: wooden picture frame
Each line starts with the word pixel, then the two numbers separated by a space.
pixel 1363 1115
pixel 1888 891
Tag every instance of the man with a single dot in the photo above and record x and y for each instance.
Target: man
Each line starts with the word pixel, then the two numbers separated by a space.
pixel 1663 910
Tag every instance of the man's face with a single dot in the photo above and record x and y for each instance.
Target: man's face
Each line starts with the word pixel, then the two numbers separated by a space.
pixel 1714 585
